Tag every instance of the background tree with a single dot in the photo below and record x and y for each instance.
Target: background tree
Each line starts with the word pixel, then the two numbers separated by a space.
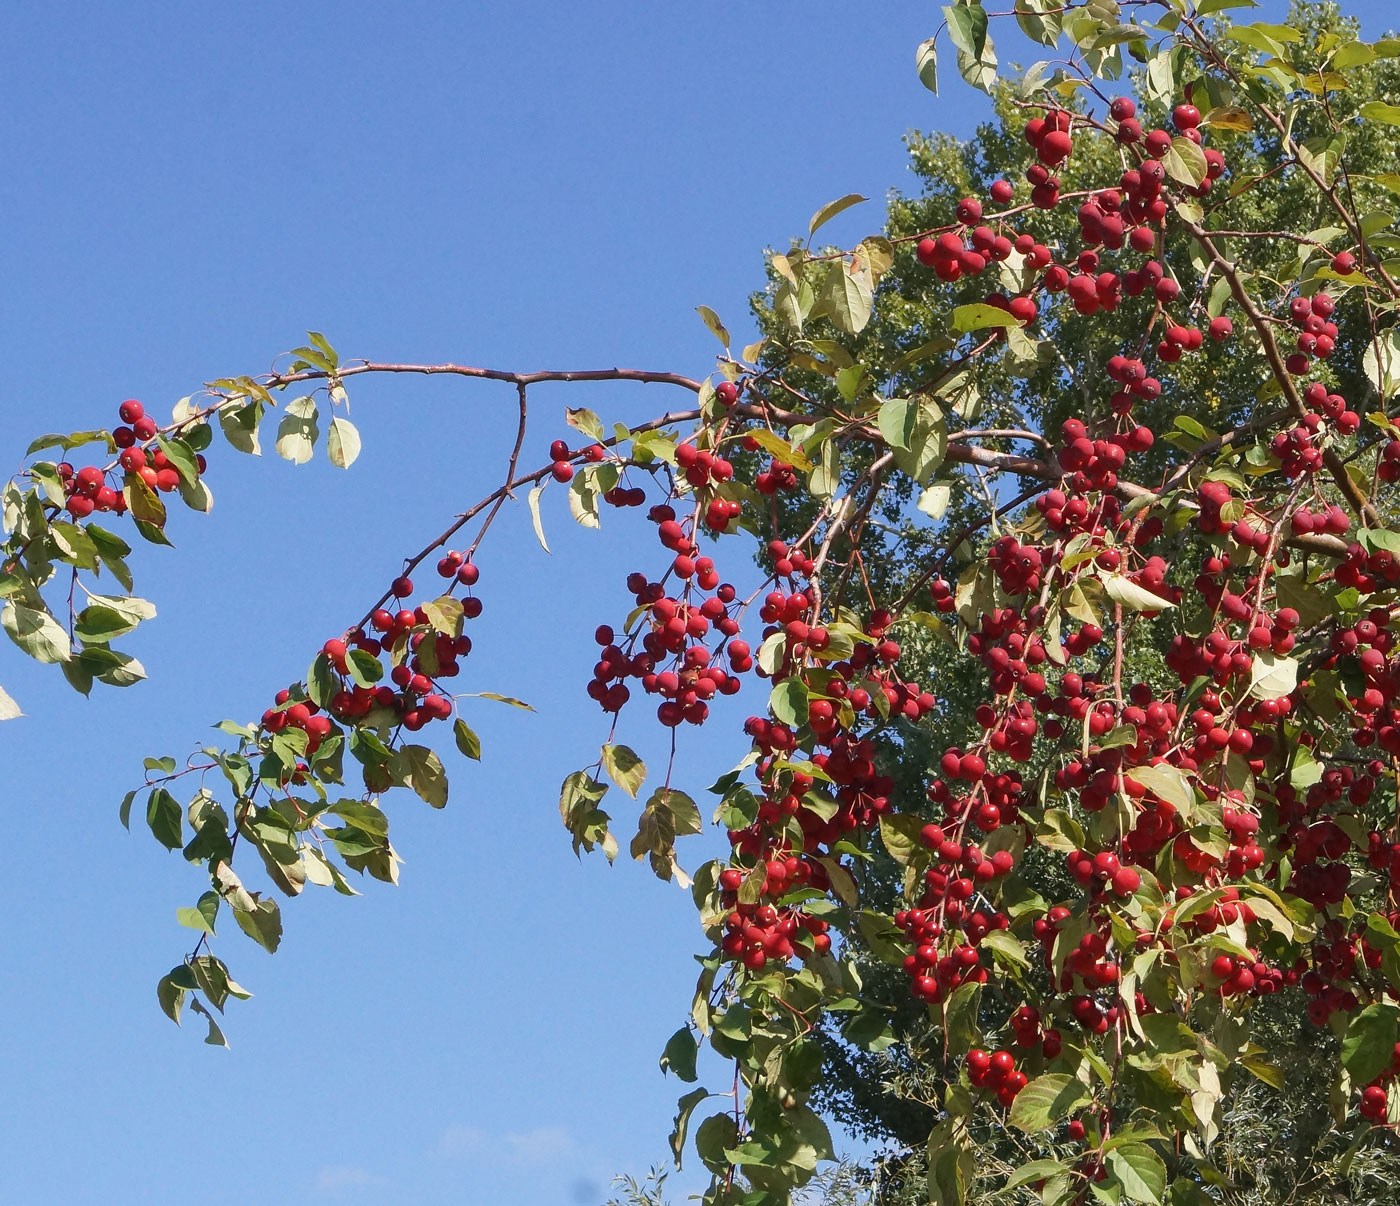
pixel 1286 1137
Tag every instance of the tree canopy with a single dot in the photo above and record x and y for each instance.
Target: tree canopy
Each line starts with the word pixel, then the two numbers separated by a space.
pixel 1064 851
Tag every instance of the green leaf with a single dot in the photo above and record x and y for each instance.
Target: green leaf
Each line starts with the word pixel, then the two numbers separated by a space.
pixel 624 768
pixel 368 818
pixel 215 1036
pixel 960 1016
pixel 1047 1100
pixel 1004 943
pixel 831 209
pixel 364 667
pixel 144 503
pixel 679 1055
pixel 917 435
pixel 239 422
pixel 926 60
pixel 445 615
pixel 1272 1076
pixel 343 443
pixel 967 26
pixel 181 456
pixel 1369 1045
pixel 98 625
pixel 1132 596
pixel 711 320
pixel 883 937
pixel 950 1163
pixel 788 702
pixel 780 449
pixel 685 1108
pixel 848 294
pixel 1036 1170
pixel 164 817
pixel 426 774
pixel 1185 162
pixel 9 710
pixel 1380 111
pixel 826 477
pixel 1272 675
pixel 68 442
pixel 297 432
pixel 202 916
pixel 977 315
pixel 933 502
pixel 578 808
pixel 1140 1171
pixel 262 923
pixel 322 344
pixel 685 812
pixel 1381 362
pixel 112 549
pixel 584 420
pixel 467 741
pixel 311 358
pixel 197 496
pixel 170 992
pixel 534 500
pixel 1167 782
pixel 505 699
pixel 36 632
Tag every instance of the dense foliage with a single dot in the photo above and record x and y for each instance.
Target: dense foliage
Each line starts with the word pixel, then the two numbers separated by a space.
pixel 1068 833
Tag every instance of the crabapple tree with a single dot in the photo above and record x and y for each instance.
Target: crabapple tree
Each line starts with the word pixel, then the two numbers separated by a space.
pixel 1157 570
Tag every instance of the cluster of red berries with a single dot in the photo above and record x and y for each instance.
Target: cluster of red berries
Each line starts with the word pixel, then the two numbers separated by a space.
pixel 674 661
pixel 421 655
pixel 997 1073
pixel 87 490
pixel 1103 869
pixel 1317 333
pixel 757 933
pixel 1017 565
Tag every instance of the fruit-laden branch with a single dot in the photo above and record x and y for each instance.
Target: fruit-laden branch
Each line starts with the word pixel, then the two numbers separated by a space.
pixel 278 380
pixel 1359 502
pixel 959 450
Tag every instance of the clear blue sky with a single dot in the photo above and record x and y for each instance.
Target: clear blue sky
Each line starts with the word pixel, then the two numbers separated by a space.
pixel 187 189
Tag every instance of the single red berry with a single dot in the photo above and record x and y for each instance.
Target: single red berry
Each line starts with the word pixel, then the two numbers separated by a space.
pixel 1158 143
pixel 1055 147
pixel 1186 117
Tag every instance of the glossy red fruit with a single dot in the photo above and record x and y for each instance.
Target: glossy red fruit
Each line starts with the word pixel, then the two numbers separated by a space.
pixel 1055 147
pixel 1186 117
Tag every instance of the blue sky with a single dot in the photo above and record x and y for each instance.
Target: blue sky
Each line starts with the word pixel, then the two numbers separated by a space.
pixel 187 190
